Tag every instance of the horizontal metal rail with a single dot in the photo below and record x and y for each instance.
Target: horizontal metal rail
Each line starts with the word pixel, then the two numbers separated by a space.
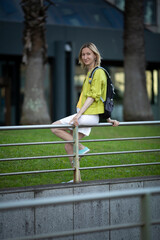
pixel 47 126
pixel 80 168
pixel 37 157
pixel 121 152
pixel 31 127
pixel 90 140
pixel 144 194
pixel 79 231
pixel 80 155
pixel 120 139
pixel 83 231
pixel 120 166
pixel 34 143
pixel 37 171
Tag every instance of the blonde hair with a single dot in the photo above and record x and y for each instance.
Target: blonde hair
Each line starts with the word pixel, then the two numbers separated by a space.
pixel 94 49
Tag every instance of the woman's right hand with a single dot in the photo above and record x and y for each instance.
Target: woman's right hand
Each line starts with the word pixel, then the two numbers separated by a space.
pixel 74 121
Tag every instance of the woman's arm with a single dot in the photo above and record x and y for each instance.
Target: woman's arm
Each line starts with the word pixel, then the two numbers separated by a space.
pixel 115 123
pixel 85 106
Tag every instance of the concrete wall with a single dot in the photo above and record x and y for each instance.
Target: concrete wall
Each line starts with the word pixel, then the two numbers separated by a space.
pixel 29 221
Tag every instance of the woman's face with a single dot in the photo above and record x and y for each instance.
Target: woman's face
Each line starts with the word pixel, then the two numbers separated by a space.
pixel 88 57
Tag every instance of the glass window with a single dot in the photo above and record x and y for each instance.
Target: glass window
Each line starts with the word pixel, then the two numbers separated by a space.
pixel 150 13
pixel 118 79
pixel 2 104
pixel 152 85
pixel 71 17
pixel 120 4
pixel 149 84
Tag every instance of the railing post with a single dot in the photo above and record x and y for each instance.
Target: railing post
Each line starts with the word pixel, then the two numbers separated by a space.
pixel 76 157
pixel 146 217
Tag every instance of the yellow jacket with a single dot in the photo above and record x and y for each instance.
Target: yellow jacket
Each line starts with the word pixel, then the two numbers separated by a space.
pixel 96 89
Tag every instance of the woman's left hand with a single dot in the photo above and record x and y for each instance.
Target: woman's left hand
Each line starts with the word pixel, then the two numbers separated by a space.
pixel 115 123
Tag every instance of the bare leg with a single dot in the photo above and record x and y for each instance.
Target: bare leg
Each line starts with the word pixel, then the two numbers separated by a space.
pixel 63 134
pixel 67 136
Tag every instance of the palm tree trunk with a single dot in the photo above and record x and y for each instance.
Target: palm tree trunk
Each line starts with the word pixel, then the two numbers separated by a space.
pixel 136 102
pixel 34 110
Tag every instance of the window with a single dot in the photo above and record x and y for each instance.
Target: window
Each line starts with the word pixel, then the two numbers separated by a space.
pixel 120 4
pixel 152 85
pixel 150 13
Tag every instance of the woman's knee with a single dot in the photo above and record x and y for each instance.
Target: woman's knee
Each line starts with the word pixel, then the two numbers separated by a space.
pixel 55 130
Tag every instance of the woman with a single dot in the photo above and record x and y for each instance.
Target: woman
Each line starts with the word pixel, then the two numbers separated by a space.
pixel 89 105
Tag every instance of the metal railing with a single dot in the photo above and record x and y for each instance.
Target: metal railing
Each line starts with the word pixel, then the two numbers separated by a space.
pixel 76 168
pixel 145 222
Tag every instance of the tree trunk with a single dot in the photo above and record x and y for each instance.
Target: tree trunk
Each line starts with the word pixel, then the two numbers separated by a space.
pixel 34 110
pixel 136 102
pixel 34 106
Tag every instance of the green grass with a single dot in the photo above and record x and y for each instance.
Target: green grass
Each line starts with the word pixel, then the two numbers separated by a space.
pixel 58 149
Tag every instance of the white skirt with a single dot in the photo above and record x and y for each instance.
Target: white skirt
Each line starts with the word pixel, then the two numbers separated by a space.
pixel 83 120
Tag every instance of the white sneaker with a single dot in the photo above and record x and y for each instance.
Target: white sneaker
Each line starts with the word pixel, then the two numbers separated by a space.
pixel 71 181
